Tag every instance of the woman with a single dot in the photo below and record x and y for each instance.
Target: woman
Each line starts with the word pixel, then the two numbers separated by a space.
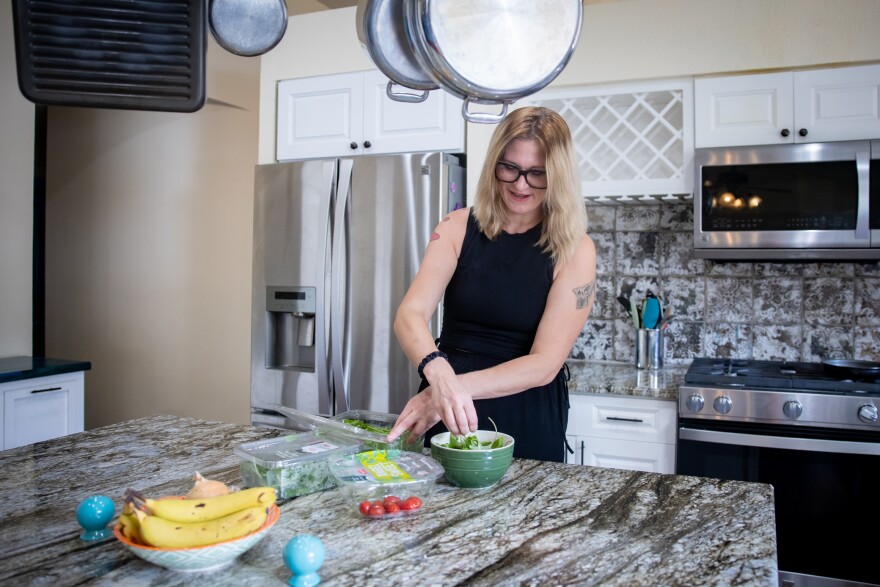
pixel 517 274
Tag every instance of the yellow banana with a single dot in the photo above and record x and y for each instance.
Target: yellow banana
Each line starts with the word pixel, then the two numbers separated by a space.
pixel 207 508
pixel 164 533
pixel 130 527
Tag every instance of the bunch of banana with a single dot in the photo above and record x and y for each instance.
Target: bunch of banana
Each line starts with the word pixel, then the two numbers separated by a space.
pixel 183 523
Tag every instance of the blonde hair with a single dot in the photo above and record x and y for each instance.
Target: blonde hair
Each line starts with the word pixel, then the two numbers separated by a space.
pixel 565 218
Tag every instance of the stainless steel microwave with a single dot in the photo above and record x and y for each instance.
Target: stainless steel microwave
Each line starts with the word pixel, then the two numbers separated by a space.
pixel 807 201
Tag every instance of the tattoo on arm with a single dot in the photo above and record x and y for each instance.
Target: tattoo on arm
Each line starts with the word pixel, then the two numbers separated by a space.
pixel 584 293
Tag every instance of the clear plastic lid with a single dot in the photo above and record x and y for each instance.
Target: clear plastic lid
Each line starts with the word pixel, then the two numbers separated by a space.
pixel 289 451
pixel 380 467
pixel 323 424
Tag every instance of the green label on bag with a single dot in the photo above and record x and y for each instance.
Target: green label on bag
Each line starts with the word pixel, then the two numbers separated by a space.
pixel 381 467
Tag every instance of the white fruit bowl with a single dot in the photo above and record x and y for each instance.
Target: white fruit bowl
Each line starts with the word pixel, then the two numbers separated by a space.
pixel 200 558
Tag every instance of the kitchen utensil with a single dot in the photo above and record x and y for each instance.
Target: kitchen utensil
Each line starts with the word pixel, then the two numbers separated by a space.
pixel 651 313
pixel 135 55
pixel 495 52
pixel 636 314
pixel 380 29
pixel 851 369
pixel 248 27
pixel 667 317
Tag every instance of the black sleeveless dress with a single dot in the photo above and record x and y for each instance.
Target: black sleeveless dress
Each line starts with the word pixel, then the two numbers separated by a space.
pixel 491 310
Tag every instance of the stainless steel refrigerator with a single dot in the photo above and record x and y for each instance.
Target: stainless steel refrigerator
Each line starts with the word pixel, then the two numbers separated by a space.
pixel 336 244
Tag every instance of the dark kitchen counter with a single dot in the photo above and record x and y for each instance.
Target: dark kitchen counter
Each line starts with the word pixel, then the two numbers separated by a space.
pixel 623 379
pixel 542 524
pixel 18 368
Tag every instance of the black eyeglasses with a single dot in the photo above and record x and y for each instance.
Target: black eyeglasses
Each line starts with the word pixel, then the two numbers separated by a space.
pixel 510 173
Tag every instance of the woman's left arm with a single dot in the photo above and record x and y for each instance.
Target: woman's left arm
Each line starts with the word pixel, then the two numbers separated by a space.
pixel 568 305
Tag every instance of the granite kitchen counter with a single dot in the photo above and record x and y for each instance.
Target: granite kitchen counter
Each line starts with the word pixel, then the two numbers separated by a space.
pixel 543 524
pixel 623 379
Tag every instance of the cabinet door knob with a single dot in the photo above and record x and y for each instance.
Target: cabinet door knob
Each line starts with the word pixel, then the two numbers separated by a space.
pixel 353 145
pixel 785 132
pixel 367 144
pixel 802 132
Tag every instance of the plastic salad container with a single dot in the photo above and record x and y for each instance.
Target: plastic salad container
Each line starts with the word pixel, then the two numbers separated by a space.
pixel 368 428
pixel 382 484
pixel 294 465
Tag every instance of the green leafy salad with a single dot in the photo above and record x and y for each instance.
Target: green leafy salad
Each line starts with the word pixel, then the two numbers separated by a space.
pixel 403 443
pixel 471 442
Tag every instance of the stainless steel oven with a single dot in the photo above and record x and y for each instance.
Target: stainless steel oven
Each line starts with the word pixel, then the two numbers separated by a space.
pixel 812 436
pixel 795 201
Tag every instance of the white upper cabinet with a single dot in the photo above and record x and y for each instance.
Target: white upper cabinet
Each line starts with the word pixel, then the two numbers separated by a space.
pixel 633 142
pixel 349 114
pixel 808 106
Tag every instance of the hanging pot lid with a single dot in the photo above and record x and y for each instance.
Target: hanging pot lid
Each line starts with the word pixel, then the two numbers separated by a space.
pixel 493 51
pixel 381 32
pixel 248 27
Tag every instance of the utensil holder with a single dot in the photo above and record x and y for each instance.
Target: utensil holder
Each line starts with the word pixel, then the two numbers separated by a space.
pixel 649 348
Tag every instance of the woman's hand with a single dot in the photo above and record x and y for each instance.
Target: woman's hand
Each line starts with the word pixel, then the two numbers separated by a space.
pixel 418 415
pixel 450 399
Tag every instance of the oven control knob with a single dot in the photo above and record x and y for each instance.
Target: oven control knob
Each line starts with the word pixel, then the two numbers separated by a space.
pixel 793 409
pixel 868 413
pixel 722 404
pixel 695 403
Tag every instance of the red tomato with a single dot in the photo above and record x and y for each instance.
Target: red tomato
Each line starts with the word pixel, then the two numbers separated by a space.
pixel 365 507
pixel 389 500
pixel 377 511
pixel 411 503
pixel 392 509
pixel 378 502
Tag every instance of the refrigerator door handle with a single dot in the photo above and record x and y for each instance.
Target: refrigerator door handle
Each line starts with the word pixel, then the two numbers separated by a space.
pixel 339 288
pixel 325 385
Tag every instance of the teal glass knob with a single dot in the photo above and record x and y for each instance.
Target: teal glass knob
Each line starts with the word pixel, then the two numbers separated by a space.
pixel 304 555
pixel 93 514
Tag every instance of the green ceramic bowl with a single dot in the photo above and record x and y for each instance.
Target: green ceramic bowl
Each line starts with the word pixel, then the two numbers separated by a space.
pixel 473 469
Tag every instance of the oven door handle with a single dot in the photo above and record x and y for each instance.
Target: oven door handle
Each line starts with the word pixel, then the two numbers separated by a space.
pixel 788 443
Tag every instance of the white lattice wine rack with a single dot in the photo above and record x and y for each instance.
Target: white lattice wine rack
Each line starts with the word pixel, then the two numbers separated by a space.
pixel 634 143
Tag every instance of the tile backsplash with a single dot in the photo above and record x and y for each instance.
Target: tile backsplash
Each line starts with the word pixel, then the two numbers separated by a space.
pixel 796 311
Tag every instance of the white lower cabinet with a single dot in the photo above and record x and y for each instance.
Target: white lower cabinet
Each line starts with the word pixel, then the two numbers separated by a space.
pixel 622 433
pixel 41 408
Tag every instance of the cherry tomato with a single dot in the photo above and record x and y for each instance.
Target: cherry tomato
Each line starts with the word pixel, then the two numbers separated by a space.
pixel 378 502
pixel 377 511
pixel 411 503
pixel 365 507
pixel 389 500
pixel 392 509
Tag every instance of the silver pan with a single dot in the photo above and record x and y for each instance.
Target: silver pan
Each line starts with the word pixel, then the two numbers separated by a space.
pixel 381 33
pixel 248 27
pixel 492 51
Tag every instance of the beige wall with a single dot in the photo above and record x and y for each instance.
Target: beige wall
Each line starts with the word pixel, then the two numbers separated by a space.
pixel 16 201
pixel 149 250
pixel 150 214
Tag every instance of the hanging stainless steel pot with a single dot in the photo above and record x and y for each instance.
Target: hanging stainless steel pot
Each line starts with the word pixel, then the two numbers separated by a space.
pixel 492 51
pixel 248 27
pixel 381 32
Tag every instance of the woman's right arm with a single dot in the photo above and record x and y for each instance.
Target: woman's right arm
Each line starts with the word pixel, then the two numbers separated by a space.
pixel 453 403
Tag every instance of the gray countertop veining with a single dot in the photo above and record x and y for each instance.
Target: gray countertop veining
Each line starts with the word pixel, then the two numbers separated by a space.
pixel 542 524
pixel 623 379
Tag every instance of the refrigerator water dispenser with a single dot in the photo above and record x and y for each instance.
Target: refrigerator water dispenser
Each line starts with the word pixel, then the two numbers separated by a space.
pixel 290 328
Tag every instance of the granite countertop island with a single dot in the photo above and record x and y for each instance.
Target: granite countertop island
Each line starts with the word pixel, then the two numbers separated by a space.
pixel 542 524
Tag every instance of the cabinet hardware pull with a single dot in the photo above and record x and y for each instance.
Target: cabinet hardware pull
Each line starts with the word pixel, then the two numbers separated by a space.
pixel 367 144
pixel 353 145
pixel 583 446
pixel 785 132
pixel 618 419
pixel 802 132
pixel 47 389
